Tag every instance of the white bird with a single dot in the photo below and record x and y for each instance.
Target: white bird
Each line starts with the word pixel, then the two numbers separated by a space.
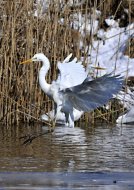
pixel 127 117
pixel 72 73
pixel 127 100
pixel 73 90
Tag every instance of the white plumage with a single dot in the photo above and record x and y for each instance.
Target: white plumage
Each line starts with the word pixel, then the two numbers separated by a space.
pixel 74 90
pixel 71 74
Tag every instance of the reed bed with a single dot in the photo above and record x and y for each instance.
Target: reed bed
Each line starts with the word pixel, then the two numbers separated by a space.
pixel 22 35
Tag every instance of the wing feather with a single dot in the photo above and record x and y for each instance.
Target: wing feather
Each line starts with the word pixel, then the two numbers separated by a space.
pixel 72 73
pixel 92 94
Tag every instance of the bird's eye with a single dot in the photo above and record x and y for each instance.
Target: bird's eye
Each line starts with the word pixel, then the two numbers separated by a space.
pixel 35 58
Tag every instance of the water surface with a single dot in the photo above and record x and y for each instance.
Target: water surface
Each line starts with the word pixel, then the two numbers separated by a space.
pixel 105 152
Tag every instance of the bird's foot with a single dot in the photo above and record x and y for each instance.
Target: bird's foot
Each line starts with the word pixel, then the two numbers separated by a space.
pixel 66 124
pixel 71 125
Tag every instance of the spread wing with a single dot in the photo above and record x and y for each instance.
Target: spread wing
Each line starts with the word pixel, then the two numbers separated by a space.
pixel 71 74
pixel 92 94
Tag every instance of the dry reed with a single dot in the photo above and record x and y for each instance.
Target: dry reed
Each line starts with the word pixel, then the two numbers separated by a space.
pixel 22 35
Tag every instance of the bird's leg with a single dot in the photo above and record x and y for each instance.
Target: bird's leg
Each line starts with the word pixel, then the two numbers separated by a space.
pixel 71 122
pixel 67 119
pixel 55 108
pixel 71 119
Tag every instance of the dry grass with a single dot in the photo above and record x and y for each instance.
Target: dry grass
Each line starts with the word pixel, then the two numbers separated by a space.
pixel 22 35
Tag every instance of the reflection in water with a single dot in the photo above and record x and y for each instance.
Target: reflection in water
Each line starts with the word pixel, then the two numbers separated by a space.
pixel 102 148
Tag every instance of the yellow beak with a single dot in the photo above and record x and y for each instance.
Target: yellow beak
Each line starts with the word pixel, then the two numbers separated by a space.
pixel 27 61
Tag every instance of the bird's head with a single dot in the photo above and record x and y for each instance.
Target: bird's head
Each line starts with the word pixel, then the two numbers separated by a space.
pixel 36 57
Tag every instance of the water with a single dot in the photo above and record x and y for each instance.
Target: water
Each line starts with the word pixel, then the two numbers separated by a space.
pixel 79 158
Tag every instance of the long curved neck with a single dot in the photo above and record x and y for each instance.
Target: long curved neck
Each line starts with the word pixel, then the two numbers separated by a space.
pixel 42 74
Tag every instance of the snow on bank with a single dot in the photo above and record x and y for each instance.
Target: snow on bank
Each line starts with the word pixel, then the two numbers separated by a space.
pixel 43 5
pixel 109 51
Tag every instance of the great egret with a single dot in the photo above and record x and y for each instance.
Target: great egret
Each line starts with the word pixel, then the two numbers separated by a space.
pixel 73 89
pixel 126 98
pixel 72 73
pixel 127 117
